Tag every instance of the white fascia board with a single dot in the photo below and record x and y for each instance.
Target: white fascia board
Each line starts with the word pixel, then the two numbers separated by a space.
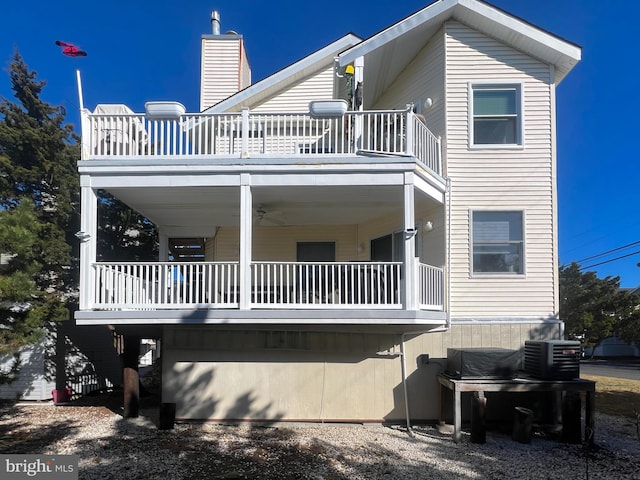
pixel 302 318
pixel 438 11
pixel 487 19
pixel 520 34
pixel 286 74
pixel 161 181
pixel 335 179
pixel 520 26
pixel 429 189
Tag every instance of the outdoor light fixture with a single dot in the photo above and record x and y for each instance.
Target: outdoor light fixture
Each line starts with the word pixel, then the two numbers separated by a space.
pixel 428 226
pixel 410 232
pixel 83 236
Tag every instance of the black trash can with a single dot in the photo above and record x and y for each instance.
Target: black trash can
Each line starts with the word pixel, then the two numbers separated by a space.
pixel 478 428
pixel 167 416
pixel 522 425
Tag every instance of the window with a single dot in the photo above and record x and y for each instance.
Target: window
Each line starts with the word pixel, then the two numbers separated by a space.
pixel 498 242
pixel 316 251
pixel 389 248
pixel 496 115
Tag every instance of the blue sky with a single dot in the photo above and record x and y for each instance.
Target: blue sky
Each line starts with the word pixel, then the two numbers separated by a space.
pixel 140 51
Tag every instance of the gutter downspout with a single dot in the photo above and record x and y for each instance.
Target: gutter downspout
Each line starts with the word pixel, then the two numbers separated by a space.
pixel 403 366
pixel 448 212
pixel 447 326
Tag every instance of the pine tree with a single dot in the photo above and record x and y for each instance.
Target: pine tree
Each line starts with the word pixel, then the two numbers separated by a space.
pixel 39 216
pixel 39 206
pixel 123 234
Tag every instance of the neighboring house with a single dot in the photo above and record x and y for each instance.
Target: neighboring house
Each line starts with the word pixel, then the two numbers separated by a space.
pixel 87 355
pixel 33 382
pixel 613 347
pixel 336 247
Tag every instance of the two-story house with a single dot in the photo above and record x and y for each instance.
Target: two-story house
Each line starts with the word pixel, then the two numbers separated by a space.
pixel 324 228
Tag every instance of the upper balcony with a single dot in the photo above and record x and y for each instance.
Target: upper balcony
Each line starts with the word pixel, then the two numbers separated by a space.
pixel 114 132
pixel 394 163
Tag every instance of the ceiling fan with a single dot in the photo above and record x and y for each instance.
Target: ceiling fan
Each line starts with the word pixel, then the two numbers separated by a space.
pixel 265 216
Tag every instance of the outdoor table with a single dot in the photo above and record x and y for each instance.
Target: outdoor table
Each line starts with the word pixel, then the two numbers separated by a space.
pixel 519 384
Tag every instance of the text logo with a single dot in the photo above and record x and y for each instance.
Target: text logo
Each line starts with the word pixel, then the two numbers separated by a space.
pixel 50 467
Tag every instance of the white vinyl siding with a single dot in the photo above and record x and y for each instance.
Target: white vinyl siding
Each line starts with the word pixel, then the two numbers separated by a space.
pixel 500 179
pixel 296 98
pixel 224 69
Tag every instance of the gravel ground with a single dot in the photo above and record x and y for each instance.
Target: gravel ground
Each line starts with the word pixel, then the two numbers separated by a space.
pixel 111 447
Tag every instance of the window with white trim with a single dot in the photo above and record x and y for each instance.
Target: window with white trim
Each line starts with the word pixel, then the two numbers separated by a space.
pixel 497 119
pixel 497 242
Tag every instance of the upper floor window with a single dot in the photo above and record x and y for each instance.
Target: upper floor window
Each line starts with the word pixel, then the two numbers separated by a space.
pixel 497 116
pixel 497 242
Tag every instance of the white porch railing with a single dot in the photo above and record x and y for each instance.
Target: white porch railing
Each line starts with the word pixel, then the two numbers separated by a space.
pixel 145 286
pixel 249 134
pixel 326 285
pixel 285 285
pixel 430 287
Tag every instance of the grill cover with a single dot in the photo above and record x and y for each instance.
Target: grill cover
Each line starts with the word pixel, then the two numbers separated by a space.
pixel 494 363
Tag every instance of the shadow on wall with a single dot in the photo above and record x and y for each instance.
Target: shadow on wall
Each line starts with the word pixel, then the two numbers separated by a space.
pixel 188 387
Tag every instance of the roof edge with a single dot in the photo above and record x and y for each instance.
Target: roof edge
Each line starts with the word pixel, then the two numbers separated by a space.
pixel 464 10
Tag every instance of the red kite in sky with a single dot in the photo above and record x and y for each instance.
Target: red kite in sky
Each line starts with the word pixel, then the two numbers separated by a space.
pixel 70 49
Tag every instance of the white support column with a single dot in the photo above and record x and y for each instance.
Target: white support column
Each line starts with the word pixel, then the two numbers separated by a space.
pixel 246 234
pixel 410 271
pixel 88 242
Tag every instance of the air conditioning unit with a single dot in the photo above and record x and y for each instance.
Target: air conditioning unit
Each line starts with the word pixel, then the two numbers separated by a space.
pixel 552 359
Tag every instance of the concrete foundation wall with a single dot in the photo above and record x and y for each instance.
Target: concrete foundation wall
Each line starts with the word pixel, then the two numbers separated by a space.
pixel 306 375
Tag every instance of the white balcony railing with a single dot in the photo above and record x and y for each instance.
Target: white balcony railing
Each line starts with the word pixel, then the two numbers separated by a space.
pixel 285 285
pixel 326 284
pixel 430 287
pixel 249 134
pixel 145 286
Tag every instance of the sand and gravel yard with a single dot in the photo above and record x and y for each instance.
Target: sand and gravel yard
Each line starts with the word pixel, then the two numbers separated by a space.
pixel 110 447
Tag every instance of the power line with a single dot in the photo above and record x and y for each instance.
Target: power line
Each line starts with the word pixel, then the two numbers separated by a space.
pixel 611 260
pixel 608 252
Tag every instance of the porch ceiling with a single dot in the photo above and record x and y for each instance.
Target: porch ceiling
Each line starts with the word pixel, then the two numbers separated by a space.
pixel 201 208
